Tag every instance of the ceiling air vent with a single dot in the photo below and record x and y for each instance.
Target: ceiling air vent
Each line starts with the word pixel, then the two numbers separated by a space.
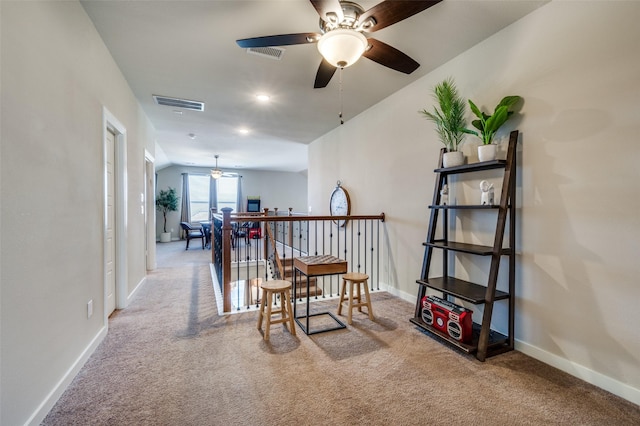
pixel 179 103
pixel 267 52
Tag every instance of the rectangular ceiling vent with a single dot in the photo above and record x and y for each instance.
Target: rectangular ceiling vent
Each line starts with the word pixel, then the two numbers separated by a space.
pixel 179 103
pixel 267 52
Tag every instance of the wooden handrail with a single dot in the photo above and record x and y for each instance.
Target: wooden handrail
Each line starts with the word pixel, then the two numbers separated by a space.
pixel 291 216
pixel 302 218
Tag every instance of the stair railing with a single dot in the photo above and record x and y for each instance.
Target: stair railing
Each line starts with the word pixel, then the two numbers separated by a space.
pixel 286 236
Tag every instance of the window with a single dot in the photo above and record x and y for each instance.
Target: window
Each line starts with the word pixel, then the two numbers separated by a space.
pixel 228 192
pixel 199 197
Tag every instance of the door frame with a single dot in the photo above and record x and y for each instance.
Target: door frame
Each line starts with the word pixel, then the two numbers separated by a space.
pixel 112 124
pixel 149 210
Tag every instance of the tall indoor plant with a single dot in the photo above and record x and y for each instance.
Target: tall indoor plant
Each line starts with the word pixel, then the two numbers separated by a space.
pixel 449 120
pixel 488 125
pixel 167 201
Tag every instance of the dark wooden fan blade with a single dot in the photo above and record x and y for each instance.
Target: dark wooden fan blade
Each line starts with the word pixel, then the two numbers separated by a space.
pixel 325 72
pixel 329 10
pixel 390 57
pixel 279 40
pixel 389 12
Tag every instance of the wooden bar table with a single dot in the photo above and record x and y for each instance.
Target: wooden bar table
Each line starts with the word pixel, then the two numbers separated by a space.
pixel 315 266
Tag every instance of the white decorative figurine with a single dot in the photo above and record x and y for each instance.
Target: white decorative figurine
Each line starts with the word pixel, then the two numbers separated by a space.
pixel 444 195
pixel 487 193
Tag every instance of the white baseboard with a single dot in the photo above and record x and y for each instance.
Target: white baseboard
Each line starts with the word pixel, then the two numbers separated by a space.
pixel 50 400
pixel 398 293
pixel 135 290
pixel 216 290
pixel 607 383
pixel 53 396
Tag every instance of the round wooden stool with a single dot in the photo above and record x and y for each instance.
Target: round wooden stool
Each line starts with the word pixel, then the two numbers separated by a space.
pixel 270 289
pixel 356 278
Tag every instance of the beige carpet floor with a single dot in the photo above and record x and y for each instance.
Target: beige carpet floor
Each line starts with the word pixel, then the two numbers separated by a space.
pixel 170 359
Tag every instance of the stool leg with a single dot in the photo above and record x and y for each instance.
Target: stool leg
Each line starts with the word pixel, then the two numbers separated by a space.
pixel 359 297
pixel 282 312
pixel 349 315
pixel 268 325
pixel 366 291
pixel 342 293
pixel 261 312
pixel 287 302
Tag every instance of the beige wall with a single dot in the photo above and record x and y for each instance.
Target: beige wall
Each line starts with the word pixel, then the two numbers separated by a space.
pixel 576 66
pixel 57 76
pixel 276 189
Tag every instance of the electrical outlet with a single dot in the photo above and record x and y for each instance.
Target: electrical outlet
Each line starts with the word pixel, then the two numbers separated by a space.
pixel 89 308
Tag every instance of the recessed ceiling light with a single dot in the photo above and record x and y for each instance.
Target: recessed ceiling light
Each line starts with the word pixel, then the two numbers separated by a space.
pixel 263 98
pixel 192 135
pixel 243 131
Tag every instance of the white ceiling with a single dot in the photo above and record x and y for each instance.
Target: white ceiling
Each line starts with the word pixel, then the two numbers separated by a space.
pixel 186 49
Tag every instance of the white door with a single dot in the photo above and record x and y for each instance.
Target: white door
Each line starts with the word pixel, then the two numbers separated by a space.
pixel 110 226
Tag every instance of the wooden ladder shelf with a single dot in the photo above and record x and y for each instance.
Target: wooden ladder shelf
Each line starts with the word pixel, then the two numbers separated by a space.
pixel 485 341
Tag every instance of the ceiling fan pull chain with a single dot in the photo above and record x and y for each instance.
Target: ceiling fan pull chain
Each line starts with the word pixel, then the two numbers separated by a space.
pixel 340 95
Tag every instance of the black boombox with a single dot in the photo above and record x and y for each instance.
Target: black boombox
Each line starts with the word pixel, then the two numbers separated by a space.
pixel 447 317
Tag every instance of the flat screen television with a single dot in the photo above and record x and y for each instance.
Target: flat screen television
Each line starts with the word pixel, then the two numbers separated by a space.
pixel 253 206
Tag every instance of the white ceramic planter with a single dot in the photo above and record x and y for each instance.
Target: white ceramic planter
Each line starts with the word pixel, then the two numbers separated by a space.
pixel 487 152
pixel 452 159
pixel 165 237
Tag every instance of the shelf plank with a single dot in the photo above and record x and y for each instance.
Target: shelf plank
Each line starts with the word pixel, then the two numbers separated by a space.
pixel 498 342
pixel 465 290
pixel 469 349
pixel 473 167
pixel 465 247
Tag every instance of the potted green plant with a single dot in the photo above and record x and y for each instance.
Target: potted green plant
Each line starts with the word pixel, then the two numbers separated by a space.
pixel 166 201
pixel 449 120
pixel 488 125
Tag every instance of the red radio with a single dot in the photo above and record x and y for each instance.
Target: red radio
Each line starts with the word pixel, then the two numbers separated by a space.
pixel 449 318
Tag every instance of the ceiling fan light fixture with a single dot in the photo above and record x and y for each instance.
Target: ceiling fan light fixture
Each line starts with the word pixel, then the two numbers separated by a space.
pixel 216 173
pixel 342 47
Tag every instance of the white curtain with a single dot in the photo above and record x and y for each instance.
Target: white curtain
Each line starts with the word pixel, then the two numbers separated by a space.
pixel 240 207
pixel 213 195
pixel 185 215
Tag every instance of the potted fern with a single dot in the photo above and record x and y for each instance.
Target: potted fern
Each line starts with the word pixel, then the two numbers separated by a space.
pixel 166 201
pixel 449 120
pixel 488 125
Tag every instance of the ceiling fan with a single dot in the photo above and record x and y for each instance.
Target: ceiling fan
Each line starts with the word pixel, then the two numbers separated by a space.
pixel 216 173
pixel 343 39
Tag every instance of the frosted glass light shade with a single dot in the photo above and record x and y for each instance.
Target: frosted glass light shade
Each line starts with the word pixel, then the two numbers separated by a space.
pixel 342 47
pixel 216 173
